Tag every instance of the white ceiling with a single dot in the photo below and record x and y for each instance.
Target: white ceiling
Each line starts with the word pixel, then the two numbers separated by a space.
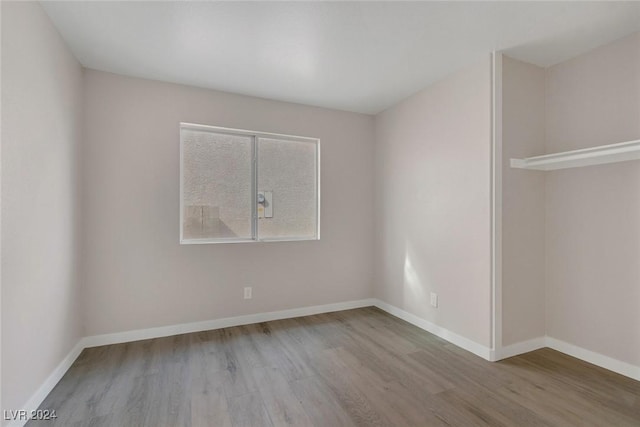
pixel 356 56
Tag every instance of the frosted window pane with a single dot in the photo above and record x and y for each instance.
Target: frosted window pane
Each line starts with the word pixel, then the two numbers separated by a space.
pixel 217 192
pixel 288 170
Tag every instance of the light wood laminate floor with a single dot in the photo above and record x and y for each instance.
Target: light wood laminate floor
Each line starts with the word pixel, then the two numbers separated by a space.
pixel 356 367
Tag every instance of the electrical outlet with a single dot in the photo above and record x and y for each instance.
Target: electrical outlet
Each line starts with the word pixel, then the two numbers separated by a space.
pixel 247 292
pixel 434 299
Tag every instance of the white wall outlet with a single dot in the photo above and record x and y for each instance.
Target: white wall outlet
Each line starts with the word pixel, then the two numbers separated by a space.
pixel 434 299
pixel 247 292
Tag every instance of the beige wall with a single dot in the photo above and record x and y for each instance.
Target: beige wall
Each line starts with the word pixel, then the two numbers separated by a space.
pixel 41 117
pixel 593 213
pixel 136 275
pixel 523 203
pixel 433 203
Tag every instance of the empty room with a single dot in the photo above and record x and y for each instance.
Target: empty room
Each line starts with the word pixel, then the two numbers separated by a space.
pixel 320 213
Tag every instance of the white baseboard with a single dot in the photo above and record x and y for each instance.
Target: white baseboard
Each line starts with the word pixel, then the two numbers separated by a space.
pixel 140 334
pixel 207 325
pixel 606 362
pixel 452 337
pixel 592 357
pixel 519 348
pixel 43 391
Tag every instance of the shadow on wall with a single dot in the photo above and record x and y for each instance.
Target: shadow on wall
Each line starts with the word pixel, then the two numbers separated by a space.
pixel 636 297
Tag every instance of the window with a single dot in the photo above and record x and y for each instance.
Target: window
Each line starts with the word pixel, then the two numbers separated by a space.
pixel 243 186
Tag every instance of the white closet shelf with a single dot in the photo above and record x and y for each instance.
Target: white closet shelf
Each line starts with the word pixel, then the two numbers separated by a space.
pixel 611 153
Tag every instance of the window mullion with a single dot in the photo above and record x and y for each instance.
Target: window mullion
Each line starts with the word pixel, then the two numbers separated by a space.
pixel 254 189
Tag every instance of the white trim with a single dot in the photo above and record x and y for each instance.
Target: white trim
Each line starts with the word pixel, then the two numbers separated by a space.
pixel 520 348
pixel 318 181
pixel 612 153
pixel 452 337
pixel 254 188
pixel 181 190
pixel 121 337
pixel 255 143
pixel 207 325
pixel 496 203
pixel 594 358
pixel 606 362
pixel 43 391
pixel 287 239
pixel 246 132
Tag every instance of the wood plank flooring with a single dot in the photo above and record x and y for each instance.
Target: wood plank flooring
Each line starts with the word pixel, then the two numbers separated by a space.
pixel 352 368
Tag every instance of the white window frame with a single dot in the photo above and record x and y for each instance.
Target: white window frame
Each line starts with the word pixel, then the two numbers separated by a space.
pixel 254 183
